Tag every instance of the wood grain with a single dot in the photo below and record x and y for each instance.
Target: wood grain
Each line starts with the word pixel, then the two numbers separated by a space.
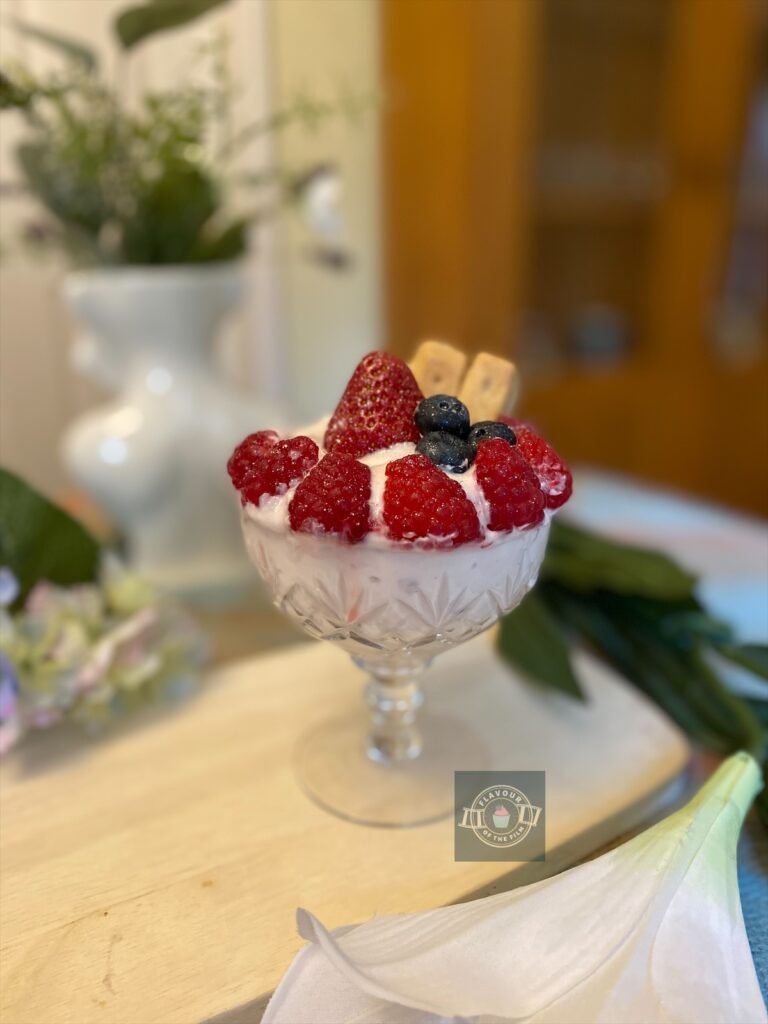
pixel 153 877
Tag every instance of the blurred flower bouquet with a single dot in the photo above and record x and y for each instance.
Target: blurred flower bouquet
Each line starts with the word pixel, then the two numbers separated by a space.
pixel 158 181
pixel 81 638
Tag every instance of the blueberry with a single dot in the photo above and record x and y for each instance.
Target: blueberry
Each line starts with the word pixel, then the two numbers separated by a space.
pixel 446 451
pixel 442 412
pixel 487 429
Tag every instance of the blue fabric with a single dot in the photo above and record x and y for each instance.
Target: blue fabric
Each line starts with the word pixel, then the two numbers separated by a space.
pixel 753 883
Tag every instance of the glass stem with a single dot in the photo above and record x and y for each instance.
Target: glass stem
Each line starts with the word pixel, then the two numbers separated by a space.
pixel 394 697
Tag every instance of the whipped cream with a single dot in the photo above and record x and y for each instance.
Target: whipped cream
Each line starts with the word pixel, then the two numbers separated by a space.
pixel 397 604
pixel 387 601
pixel 272 510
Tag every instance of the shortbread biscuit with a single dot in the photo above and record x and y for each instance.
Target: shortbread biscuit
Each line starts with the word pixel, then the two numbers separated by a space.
pixel 490 387
pixel 438 368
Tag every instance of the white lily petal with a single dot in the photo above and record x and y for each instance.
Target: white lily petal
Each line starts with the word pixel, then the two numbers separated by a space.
pixel 651 931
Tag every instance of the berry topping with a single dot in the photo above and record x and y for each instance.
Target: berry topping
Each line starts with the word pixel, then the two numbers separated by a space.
pixel 376 409
pixel 247 455
pixel 276 466
pixel 553 474
pixel 487 429
pixel 446 451
pixel 444 413
pixel 420 501
pixel 334 498
pixel 509 485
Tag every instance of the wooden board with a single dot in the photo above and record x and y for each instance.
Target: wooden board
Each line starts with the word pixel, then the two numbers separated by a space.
pixel 154 877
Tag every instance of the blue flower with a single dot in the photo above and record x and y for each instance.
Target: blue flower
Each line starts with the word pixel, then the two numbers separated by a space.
pixel 10 725
pixel 9 587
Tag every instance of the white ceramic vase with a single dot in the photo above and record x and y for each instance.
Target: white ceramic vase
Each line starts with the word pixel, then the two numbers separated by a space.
pixel 155 456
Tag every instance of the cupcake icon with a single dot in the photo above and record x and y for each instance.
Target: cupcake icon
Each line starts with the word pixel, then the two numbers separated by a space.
pixel 500 817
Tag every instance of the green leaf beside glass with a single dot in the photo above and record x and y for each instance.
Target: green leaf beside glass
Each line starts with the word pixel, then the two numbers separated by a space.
pixel 40 541
pixel 637 610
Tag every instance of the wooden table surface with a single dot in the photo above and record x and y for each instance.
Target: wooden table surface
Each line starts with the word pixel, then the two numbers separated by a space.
pixel 153 876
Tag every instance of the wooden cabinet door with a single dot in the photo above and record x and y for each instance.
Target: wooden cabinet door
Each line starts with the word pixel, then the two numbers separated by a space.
pixel 561 185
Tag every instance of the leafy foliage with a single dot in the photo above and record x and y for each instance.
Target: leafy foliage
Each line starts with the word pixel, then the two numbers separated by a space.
pixel 585 561
pixel 152 184
pixel 72 49
pixel 12 96
pixel 135 24
pixel 533 640
pixel 638 611
pixel 39 541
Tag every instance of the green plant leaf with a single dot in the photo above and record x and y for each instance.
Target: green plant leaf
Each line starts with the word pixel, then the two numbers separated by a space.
pixel 638 611
pixel 584 561
pixel 667 665
pixel 693 625
pixel 136 24
pixel 530 639
pixel 72 49
pixel 74 196
pixel 170 215
pixel 40 541
pixel 616 639
pixel 12 96
pixel 736 714
pixel 753 657
pixel 227 244
pixel 759 709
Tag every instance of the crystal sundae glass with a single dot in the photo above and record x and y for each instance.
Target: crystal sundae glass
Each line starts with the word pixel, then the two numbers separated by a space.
pixel 393 609
pixel 406 523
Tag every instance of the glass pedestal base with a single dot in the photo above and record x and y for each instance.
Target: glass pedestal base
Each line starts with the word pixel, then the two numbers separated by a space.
pixel 341 766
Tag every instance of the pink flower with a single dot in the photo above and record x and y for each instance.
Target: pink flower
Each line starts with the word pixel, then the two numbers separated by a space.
pixel 124 646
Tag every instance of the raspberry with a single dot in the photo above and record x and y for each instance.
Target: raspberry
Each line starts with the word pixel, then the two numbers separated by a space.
pixel 554 476
pixel 509 485
pixel 377 407
pixel 334 498
pixel 276 466
pixel 421 501
pixel 247 454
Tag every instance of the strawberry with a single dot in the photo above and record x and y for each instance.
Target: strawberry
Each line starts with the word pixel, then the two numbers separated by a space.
pixel 377 407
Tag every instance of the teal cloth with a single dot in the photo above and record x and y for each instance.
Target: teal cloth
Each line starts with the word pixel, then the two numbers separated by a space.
pixel 753 883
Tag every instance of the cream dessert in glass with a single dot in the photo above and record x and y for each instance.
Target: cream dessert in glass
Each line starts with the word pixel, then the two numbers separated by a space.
pixel 397 529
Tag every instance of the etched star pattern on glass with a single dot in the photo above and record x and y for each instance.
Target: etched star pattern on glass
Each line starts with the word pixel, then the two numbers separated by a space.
pixel 393 607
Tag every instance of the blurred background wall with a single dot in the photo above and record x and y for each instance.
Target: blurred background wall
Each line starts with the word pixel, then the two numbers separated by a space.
pixel 303 328
pixel 579 184
pixel 331 320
